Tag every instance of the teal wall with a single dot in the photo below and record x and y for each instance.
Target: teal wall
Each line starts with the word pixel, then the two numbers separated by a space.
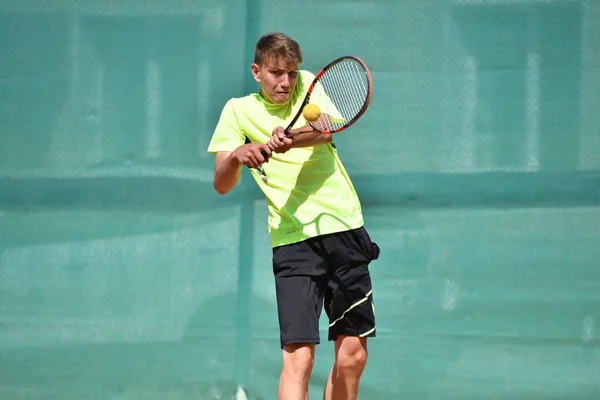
pixel 123 275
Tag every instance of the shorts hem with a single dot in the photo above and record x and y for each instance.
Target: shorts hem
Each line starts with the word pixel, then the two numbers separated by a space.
pixel 300 341
pixel 333 336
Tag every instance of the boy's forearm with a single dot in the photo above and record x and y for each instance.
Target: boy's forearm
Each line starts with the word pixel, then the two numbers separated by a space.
pixel 311 138
pixel 227 174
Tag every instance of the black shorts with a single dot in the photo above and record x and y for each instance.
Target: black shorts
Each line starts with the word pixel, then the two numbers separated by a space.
pixel 331 271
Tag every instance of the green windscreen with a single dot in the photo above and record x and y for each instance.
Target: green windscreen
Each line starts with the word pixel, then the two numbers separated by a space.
pixel 124 275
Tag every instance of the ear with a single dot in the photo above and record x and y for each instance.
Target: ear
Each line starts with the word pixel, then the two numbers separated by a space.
pixel 255 69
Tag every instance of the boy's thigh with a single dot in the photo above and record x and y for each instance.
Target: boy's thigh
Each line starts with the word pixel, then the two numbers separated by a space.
pixel 349 294
pixel 300 279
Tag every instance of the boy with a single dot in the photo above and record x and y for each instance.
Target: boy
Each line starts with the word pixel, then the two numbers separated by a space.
pixel 321 250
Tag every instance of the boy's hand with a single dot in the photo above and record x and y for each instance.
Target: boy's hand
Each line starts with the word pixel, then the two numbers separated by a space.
pixel 252 155
pixel 279 143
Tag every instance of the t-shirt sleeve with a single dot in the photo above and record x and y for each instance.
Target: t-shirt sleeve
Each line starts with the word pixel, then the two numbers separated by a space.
pixel 228 135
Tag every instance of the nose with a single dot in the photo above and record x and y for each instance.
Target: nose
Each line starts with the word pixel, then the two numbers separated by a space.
pixel 284 81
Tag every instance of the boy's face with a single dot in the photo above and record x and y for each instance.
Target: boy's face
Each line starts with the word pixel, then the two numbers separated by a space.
pixel 277 80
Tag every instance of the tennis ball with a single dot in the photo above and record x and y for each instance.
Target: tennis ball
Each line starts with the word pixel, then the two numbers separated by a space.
pixel 311 112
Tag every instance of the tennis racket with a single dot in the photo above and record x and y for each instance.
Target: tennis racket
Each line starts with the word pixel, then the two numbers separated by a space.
pixel 347 84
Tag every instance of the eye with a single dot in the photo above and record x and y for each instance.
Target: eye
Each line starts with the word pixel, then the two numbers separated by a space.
pixel 293 74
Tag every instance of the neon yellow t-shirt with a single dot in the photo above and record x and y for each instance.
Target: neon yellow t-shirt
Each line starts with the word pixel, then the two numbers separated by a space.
pixel 307 190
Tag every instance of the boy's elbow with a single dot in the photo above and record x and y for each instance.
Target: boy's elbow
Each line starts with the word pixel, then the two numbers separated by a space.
pixel 220 188
pixel 226 174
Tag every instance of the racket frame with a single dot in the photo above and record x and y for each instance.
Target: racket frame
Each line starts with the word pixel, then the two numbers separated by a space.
pixel 314 83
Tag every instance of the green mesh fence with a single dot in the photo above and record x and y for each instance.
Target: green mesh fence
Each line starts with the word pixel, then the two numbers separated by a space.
pixel 123 275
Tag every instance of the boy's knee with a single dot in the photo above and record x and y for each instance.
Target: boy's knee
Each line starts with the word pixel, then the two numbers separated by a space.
pixel 351 355
pixel 298 359
pixel 352 360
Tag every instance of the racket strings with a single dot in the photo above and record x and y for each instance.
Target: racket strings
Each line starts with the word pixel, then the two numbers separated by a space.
pixel 347 86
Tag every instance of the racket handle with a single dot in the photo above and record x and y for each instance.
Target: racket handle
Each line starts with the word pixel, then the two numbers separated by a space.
pixel 264 154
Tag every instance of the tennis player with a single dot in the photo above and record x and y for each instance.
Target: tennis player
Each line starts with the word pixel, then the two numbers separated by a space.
pixel 321 250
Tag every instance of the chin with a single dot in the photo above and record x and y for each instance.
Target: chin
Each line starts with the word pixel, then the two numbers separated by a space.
pixel 283 101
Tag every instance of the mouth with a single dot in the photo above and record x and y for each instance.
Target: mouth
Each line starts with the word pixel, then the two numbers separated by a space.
pixel 281 96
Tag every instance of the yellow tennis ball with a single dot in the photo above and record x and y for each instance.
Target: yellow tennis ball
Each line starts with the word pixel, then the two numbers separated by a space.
pixel 311 112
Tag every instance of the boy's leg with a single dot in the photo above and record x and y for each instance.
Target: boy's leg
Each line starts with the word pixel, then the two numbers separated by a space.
pixel 349 305
pixel 300 278
pixel 298 361
pixel 350 361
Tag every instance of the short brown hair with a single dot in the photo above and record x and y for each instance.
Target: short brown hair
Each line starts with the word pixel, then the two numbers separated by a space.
pixel 277 46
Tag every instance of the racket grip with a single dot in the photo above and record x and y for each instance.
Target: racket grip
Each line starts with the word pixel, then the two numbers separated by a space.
pixel 264 154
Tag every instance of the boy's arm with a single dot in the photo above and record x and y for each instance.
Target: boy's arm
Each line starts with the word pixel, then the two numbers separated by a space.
pixel 227 172
pixel 228 165
pixel 309 137
pixel 279 143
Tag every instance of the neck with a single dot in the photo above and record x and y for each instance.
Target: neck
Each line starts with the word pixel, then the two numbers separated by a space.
pixel 264 96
